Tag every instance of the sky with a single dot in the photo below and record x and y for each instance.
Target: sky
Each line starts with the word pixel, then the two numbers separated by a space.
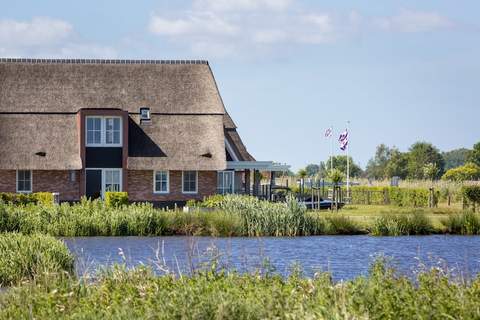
pixel 399 71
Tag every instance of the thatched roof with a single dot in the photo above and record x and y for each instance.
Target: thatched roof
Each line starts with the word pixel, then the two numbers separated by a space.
pixel 39 100
pixel 70 85
pixel 177 142
pixel 53 137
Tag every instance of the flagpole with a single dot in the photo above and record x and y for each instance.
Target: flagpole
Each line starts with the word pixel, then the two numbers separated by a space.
pixel 348 161
pixel 331 154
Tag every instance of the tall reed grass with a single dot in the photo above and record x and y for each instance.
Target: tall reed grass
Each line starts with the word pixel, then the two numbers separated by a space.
pixel 24 257
pixel 139 294
pixel 398 225
pixel 467 223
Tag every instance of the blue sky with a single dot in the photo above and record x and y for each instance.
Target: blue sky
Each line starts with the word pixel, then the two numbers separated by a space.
pixel 400 71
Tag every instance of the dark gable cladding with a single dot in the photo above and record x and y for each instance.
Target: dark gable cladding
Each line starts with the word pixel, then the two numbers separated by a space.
pixel 234 139
pixel 39 101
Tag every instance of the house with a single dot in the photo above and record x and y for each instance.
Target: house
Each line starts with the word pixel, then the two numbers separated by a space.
pixel 155 129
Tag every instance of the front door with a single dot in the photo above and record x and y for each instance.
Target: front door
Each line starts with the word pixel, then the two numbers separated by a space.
pixel 94 184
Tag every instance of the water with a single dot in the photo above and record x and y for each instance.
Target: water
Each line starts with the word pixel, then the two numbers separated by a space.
pixel 344 256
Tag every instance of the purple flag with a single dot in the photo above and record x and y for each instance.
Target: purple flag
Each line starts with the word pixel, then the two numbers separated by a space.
pixel 328 133
pixel 343 139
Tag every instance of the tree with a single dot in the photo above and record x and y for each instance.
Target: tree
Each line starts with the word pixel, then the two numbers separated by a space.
pixel 469 171
pixel 421 154
pixel 312 169
pixel 430 171
pixel 456 158
pixel 474 156
pixel 340 163
pixel 302 173
pixel 376 166
pixel 397 165
pixel 335 176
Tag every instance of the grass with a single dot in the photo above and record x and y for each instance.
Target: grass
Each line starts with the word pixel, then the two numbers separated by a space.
pixel 138 294
pixel 24 257
pixel 236 216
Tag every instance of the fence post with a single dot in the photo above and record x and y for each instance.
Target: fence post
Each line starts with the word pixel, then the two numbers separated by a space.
pixel 368 197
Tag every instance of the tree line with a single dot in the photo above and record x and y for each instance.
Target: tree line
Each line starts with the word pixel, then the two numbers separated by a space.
pixel 422 161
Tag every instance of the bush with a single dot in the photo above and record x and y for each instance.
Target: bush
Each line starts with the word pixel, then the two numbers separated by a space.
pixel 471 194
pixel 30 256
pixel 469 171
pixel 116 199
pixel 45 198
pixel 18 198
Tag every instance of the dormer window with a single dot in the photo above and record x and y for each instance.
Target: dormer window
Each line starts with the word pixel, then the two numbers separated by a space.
pixel 144 114
pixel 104 131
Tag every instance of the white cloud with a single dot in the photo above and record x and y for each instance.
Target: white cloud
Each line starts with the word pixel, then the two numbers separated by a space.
pixel 414 21
pixel 202 23
pixel 47 38
pixel 247 27
pixel 241 5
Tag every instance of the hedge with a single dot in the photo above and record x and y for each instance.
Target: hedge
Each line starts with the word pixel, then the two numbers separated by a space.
pixel 45 198
pixel 116 199
pixel 402 197
pixel 471 196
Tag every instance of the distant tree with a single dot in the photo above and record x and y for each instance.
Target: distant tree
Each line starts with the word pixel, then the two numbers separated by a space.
pixel 474 156
pixel 312 169
pixel 302 173
pixel 336 176
pixel 421 154
pixel 340 163
pixel 376 167
pixel 397 165
pixel 469 171
pixel 456 158
pixel 430 171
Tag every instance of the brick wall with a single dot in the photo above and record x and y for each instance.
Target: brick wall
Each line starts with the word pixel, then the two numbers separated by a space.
pixel 140 186
pixel 8 181
pixel 45 181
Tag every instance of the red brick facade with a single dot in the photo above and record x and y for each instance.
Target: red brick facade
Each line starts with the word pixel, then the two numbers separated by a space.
pixel 140 186
pixel 45 181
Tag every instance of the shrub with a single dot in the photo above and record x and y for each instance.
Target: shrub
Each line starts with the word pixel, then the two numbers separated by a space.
pixel 30 256
pixel 116 199
pixel 402 197
pixel 45 198
pixel 212 201
pixel 469 171
pixel 18 198
pixel 471 194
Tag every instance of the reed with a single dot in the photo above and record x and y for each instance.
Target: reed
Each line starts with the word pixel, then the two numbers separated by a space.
pixel 467 223
pixel 24 257
pixel 119 293
pixel 397 225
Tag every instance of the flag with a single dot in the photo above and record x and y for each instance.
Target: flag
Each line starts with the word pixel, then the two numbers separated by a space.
pixel 343 139
pixel 328 133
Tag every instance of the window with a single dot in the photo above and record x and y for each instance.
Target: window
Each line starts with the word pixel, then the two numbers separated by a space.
pixel 189 182
pixel 112 180
pixel 144 114
pixel 160 182
pixel 24 181
pixel 112 130
pixel 225 182
pixel 94 130
pixel 104 131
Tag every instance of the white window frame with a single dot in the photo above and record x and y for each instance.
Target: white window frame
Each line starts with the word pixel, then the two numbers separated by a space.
pixel 155 191
pixel 102 191
pixel 196 183
pixel 103 132
pixel 232 173
pixel 31 182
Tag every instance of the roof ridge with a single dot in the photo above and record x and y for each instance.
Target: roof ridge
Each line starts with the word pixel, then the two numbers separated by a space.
pixel 99 61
